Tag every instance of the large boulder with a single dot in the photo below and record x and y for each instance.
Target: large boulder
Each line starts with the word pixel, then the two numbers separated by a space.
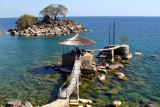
pixel 28 104
pixel 13 103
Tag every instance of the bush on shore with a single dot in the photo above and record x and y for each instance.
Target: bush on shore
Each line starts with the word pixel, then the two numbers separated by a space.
pixel 26 21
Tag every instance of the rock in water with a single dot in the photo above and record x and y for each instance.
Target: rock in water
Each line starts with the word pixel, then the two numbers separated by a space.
pixel 120 76
pixel 151 105
pixel 138 53
pixel 13 103
pixel 28 104
pixel 85 101
pixel 116 66
pixel 88 105
pixel 116 103
pixel 102 77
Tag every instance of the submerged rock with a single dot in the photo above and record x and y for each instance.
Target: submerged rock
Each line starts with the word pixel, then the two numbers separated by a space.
pixel 13 103
pixel 138 53
pixel 151 105
pixel 102 77
pixel 113 91
pixel 116 103
pixel 28 104
pixel 88 105
pixel 116 66
pixel 155 57
pixel 120 76
pixel 85 101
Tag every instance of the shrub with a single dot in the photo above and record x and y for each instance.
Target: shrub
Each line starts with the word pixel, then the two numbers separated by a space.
pixel 123 39
pixel 71 20
pixel 26 21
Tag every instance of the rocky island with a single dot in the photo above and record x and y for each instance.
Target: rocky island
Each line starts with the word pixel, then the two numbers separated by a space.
pixel 53 23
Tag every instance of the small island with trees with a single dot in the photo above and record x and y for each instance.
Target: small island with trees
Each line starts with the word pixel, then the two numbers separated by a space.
pixel 53 22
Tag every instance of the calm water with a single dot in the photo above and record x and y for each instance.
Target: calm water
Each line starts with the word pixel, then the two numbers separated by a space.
pixel 21 58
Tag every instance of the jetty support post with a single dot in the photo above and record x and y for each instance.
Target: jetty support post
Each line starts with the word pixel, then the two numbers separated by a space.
pixel 112 55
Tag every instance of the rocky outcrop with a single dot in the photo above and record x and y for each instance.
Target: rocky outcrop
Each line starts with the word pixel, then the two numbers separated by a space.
pixel 59 27
pixel 18 103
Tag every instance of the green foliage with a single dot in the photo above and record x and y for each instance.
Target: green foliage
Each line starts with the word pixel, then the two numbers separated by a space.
pixel 71 21
pixel 26 21
pixel 123 39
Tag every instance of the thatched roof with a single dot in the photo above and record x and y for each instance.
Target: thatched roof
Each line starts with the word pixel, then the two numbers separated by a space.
pixel 77 41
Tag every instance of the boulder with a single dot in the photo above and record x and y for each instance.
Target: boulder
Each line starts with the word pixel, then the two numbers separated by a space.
pixel 85 101
pixel 107 65
pixel 151 105
pixel 138 53
pixel 116 66
pixel 155 57
pixel 13 33
pixel 101 67
pixel 116 103
pixel 87 105
pixel 28 104
pixel 120 76
pixel 102 77
pixel 22 105
pixel 13 103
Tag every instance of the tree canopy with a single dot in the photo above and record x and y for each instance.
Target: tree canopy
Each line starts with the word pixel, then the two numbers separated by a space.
pixel 123 39
pixel 54 10
pixel 26 21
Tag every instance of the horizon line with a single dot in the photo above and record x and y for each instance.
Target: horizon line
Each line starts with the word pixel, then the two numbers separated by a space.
pixel 88 16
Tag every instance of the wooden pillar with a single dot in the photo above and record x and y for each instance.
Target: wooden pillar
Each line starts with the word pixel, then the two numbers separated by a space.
pixel 112 55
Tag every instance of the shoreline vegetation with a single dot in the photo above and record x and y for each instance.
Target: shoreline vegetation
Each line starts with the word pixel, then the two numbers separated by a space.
pixel 54 22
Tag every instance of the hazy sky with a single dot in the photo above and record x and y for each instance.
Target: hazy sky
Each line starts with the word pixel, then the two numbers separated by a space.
pixel 15 8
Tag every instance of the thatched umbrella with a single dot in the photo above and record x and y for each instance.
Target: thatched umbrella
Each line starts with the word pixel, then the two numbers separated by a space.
pixel 77 41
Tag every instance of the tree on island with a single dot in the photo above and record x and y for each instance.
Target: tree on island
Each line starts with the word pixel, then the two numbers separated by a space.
pixel 123 39
pixel 26 21
pixel 53 11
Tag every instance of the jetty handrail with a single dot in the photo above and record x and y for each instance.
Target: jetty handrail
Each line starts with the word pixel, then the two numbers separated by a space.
pixel 105 49
pixel 74 79
pixel 64 84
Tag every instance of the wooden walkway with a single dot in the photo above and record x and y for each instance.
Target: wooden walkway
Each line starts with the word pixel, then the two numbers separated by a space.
pixel 65 93
pixel 74 80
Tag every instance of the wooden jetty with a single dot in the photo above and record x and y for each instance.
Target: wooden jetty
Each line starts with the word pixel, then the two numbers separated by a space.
pixel 69 91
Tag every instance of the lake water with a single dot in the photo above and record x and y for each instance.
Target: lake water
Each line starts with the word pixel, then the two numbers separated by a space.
pixel 21 58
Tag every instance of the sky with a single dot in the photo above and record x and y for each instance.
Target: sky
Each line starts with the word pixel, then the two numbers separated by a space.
pixel 16 8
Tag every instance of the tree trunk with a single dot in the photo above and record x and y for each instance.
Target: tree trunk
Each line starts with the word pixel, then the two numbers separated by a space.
pixel 55 16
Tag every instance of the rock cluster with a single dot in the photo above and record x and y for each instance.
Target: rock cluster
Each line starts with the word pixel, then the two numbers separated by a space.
pixel 59 27
pixel 18 103
pixel 85 102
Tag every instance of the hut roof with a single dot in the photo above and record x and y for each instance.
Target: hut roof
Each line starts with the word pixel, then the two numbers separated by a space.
pixel 77 41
